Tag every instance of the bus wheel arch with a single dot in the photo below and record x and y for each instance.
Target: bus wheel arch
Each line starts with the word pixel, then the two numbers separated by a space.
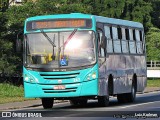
pixel 110 85
pixel 134 81
pixel 103 101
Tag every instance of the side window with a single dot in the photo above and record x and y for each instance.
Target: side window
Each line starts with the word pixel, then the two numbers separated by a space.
pixel 116 41
pixel 101 50
pixel 131 34
pixel 132 43
pixel 127 34
pixel 127 38
pixel 140 33
pixel 111 31
pixel 134 35
pixel 124 42
pixel 119 33
pixel 115 33
pixel 142 40
pixel 138 42
pixel 108 34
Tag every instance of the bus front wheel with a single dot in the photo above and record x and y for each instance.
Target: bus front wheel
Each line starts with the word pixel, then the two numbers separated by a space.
pixel 103 101
pixel 47 102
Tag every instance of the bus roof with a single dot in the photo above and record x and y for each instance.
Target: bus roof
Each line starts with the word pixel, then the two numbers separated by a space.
pixel 88 16
pixel 118 22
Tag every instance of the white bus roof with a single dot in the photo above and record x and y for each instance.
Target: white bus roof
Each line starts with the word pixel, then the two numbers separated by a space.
pixel 118 22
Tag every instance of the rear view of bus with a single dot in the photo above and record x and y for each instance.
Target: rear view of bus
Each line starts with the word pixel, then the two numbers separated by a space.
pixel 62 61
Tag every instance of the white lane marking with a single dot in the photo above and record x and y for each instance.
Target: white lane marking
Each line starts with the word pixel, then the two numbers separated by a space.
pixel 123 107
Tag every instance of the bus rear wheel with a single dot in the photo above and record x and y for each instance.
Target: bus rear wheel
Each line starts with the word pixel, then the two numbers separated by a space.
pixel 103 101
pixel 127 97
pixel 132 96
pixel 47 103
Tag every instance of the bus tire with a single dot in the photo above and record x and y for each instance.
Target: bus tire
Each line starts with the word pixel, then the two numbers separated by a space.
pixel 103 101
pixel 127 97
pixel 132 96
pixel 47 103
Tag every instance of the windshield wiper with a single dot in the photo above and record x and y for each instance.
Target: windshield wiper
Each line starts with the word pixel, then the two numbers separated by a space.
pixel 48 38
pixel 68 39
pixel 50 41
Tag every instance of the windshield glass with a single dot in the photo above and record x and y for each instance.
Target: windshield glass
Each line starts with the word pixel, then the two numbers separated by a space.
pixel 60 49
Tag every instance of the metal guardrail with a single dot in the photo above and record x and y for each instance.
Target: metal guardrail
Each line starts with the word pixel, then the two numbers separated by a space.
pixel 153 65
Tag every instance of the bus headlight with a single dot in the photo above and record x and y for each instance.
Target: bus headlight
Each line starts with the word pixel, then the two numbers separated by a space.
pixel 94 75
pixel 30 78
pixel 91 76
pixel 26 78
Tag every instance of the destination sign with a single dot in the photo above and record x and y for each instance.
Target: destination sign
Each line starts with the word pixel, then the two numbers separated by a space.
pixel 59 23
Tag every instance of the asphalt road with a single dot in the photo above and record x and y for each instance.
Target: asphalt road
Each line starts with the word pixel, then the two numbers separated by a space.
pixel 146 106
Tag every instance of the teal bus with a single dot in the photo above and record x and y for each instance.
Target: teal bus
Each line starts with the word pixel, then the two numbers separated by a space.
pixel 78 57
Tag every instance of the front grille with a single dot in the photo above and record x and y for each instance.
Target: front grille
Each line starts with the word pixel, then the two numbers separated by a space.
pixel 51 90
pixel 59 76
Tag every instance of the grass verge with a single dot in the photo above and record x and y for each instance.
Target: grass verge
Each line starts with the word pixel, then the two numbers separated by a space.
pixel 153 83
pixel 11 93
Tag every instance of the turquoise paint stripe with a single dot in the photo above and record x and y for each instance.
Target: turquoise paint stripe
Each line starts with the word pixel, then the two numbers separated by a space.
pixel 60 16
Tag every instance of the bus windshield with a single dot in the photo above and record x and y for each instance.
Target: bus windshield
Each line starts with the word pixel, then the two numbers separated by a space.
pixel 60 49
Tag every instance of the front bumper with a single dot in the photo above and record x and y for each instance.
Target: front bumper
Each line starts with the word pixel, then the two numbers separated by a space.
pixel 35 90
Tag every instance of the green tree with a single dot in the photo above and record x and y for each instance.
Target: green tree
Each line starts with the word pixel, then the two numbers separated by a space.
pixel 156 12
pixel 7 56
pixel 4 5
pixel 153 44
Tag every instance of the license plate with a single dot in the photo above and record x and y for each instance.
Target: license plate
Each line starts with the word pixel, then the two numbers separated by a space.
pixel 59 87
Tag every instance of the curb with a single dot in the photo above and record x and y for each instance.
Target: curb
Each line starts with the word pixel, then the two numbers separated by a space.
pixel 24 104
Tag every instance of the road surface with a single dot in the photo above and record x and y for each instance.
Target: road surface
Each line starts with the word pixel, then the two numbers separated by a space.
pixel 146 105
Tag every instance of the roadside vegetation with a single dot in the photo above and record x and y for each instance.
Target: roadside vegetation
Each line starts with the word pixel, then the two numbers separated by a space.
pixel 11 93
pixel 153 82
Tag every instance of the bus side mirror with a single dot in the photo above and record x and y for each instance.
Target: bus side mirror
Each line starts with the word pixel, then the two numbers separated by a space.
pixel 19 43
pixel 103 41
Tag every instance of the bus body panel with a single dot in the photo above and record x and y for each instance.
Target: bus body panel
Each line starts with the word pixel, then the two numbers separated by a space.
pixel 122 68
